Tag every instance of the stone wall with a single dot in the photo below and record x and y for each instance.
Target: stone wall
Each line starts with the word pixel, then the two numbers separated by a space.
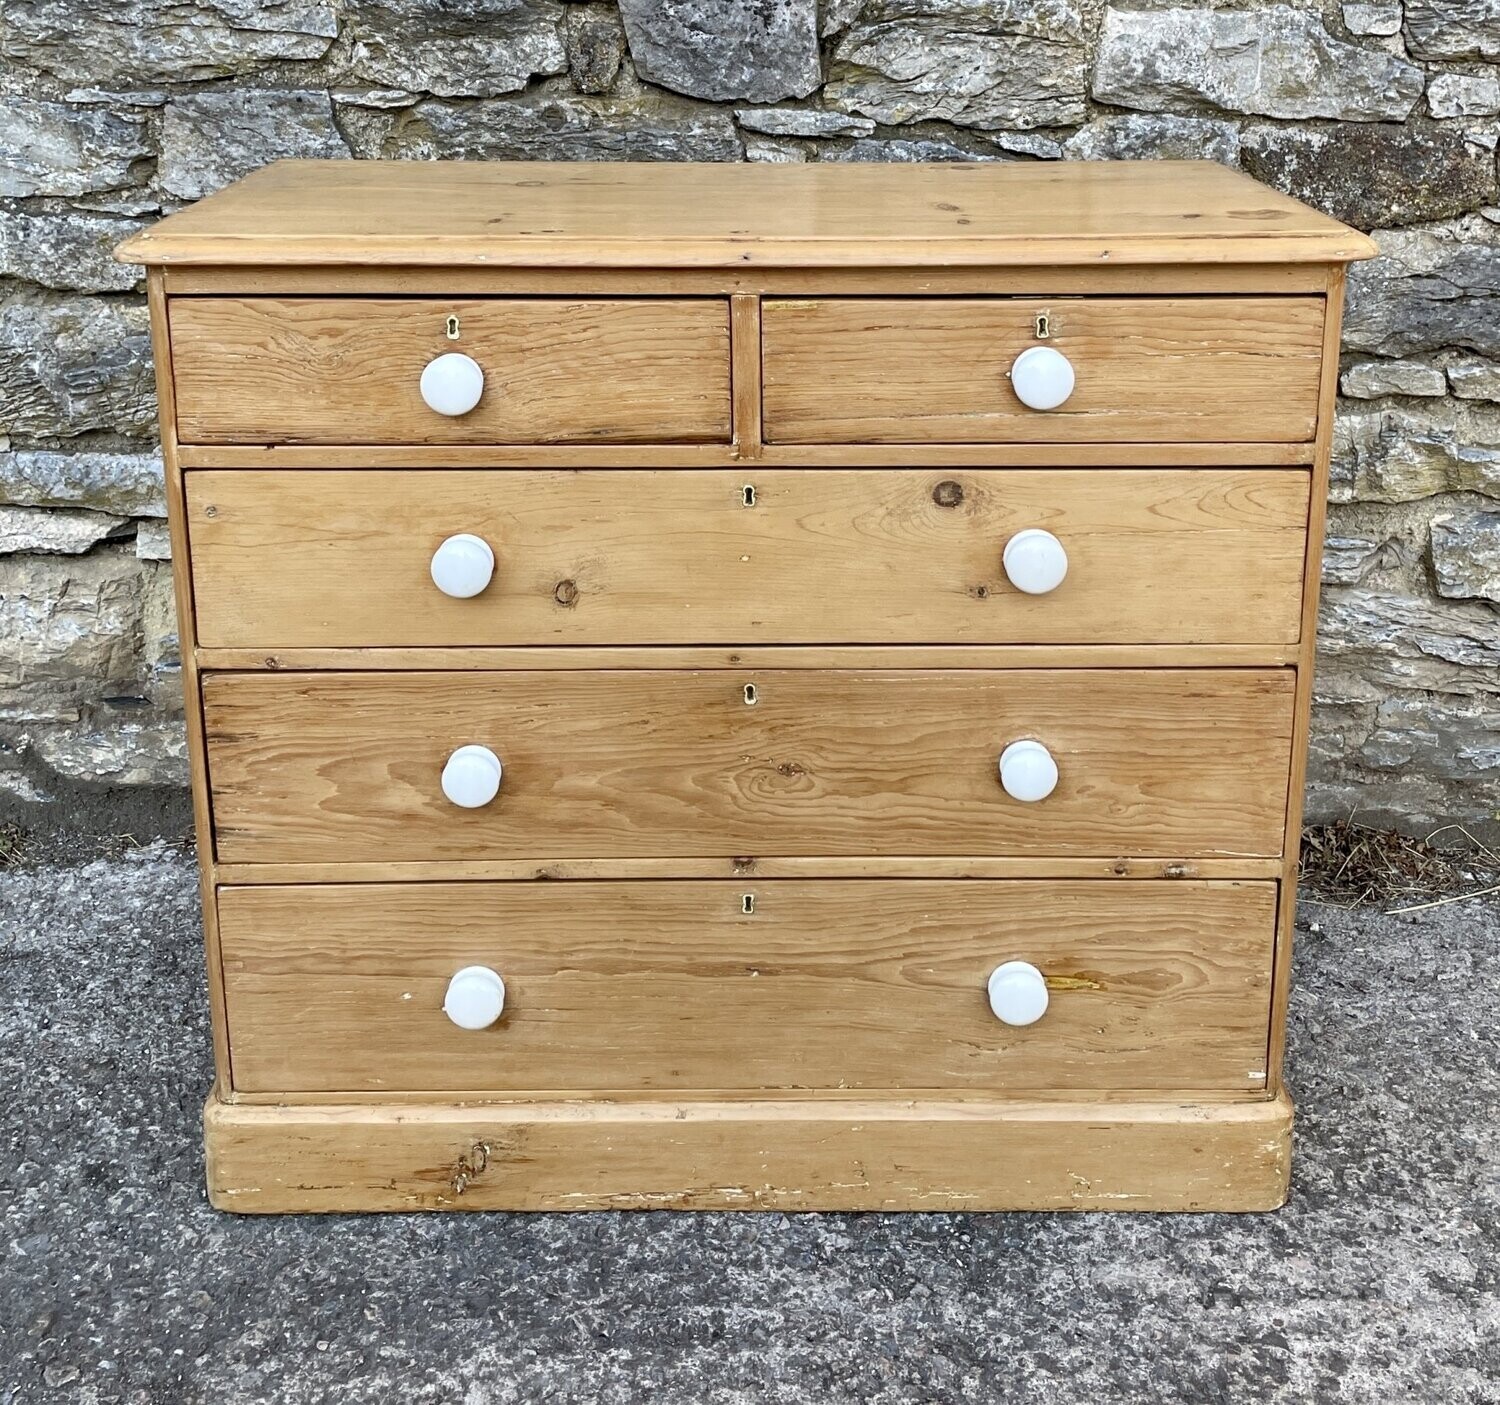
pixel 1384 114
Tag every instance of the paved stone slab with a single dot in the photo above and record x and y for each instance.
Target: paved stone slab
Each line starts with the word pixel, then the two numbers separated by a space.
pixel 1373 1285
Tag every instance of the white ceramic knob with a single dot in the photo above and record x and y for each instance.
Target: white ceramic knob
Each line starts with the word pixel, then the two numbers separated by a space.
pixel 1018 993
pixel 1035 561
pixel 475 998
pixel 471 778
pixel 1042 377
pixel 452 383
pixel 462 565
pixel 1027 771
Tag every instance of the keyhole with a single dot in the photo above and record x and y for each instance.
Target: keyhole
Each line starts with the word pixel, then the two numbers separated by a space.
pixel 452 328
pixel 747 904
pixel 747 494
pixel 1043 326
pixel 751 696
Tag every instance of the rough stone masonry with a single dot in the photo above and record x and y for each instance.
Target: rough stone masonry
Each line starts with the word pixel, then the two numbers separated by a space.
pixel 1385 114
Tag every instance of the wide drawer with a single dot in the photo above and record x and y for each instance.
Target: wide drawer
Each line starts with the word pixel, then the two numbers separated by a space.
pixel 908 370
pixel 673 985
pixel 308 558
pixel 349 370
pixel 349 766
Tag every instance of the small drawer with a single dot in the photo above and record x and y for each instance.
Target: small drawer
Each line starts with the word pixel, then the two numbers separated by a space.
pixel 339 767
pixel 888 556
pixel 614 986
pixel 1135 370
pixel 425 371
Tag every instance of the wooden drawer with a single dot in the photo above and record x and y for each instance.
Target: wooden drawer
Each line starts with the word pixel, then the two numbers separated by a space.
pixel 347 370
pixel 909 370
pixel 671 985
pixel 307 558
pixel 346 767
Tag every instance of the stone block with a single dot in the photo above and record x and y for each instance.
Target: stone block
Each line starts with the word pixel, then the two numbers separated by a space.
pixel 1453 29
pixel 1415 452
pixel 1368 175
pixel 1466 557
pixel 124 43
pixel 118 748
pixel 1380 17
pixel 1369 380
pixel 802 122
pixel 1274 61
pixel 69 366
pixel 1463 95
pixel 760 50
pixel 49 148
pixel 211 138
pixel 72 626
pixel 71 252
pixel 455 48
pixel 559 127
pixel 59 531
pixel 1373 642
pixel 128 485
pixel 1139 136
pixel 1429 289
pixel 153 542
pixel 1012 64
pixel 595 42
pixel 1474 379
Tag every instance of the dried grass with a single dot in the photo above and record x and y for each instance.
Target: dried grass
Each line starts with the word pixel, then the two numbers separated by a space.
pixel 1348 864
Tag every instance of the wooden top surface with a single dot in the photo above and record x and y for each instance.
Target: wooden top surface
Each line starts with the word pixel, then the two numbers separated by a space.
pixel 653 215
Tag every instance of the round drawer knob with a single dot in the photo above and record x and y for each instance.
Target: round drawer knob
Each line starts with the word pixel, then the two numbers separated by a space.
pixel 1042 377
pixel 471 778
pixel 462 565
pixel 1035 561
pixel 475 998
pixel 1018 993
pixel 1027 771
pixel 452 384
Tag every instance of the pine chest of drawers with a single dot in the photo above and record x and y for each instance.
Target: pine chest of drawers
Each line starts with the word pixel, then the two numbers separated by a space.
pixel 747 686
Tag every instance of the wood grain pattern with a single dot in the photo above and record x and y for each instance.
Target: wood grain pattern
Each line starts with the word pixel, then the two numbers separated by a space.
pixel 309 559
pixel 330 767
pixel 345 370
pixel 629 657
pixel 744 339
pixel 415 457
pixel 917 369
pixel 182 593
pixel 1286 925
pixel 834 984
pixel 765 1154
pixel 388 280
pixel 651 215
pixel 890 866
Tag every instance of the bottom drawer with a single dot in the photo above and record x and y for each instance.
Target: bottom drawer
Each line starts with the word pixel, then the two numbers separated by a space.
pixel 783 984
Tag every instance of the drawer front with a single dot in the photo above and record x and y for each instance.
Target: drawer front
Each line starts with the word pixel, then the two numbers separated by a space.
pixel 349 370
pixel 349 767
pixel 305 558
pixel 910 370
pixel 672 985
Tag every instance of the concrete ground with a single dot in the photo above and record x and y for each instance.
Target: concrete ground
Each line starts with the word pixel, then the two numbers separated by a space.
pixel 1378 1283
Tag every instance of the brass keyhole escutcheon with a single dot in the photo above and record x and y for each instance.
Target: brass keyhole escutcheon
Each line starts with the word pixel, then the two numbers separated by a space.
pixel 747 904
pixel 451 328
pixel 747 495
pixel 751 696
pixel 1043 325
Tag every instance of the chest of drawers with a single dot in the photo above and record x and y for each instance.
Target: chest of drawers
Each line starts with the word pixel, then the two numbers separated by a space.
pixel 750 686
